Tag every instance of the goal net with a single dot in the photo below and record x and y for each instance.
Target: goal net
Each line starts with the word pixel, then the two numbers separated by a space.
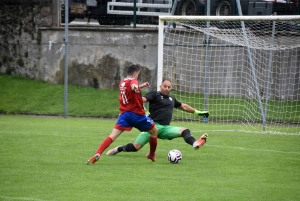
pixel 245 70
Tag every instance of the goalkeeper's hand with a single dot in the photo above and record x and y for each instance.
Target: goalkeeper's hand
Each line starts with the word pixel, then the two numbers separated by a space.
pixel 202 113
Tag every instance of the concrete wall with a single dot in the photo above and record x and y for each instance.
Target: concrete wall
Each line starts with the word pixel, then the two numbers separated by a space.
pixel 97 53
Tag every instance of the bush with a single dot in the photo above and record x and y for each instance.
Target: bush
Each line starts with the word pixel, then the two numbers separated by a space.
pixel 10 70
pixel 20 62
pixel 4 59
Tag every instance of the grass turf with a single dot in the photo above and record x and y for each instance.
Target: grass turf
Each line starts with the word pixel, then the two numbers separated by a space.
pixel 26 96
pixel 43 158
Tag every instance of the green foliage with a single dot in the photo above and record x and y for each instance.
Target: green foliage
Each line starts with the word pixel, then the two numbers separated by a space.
pixel 10 59
pixel 10 70
pixel 43 158
pixel 20 62
pixel 4 59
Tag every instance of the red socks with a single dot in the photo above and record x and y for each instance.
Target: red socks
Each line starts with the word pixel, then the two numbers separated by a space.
pixel 106 142
pixel 153 144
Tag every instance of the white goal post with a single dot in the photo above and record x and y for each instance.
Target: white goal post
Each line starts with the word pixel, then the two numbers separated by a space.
pixel 245 70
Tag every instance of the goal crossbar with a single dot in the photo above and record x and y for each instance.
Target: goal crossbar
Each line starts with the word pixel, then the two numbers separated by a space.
pixel 231 18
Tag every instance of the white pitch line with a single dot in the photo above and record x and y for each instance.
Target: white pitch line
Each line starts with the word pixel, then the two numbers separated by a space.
pixel 20 198
pixel 248 149
pixel 219 146
pixel 41 134
pixel 263 150
pixel 251 132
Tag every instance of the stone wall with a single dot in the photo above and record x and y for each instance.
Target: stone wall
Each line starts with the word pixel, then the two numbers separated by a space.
pixel 20 37
pixel 33 46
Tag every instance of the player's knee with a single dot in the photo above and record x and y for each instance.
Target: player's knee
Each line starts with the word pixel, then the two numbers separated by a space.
pixel 137 146
pixel 185 131
pixel 153 132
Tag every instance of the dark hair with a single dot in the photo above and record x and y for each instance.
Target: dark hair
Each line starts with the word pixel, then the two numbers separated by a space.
pixel 166 79
pixel 132 69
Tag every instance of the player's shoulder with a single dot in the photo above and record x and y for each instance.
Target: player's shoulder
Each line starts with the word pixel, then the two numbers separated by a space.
pixel 131 80
pixel 170 96
pixel 173 97
pixel 175 100
pixel 152 93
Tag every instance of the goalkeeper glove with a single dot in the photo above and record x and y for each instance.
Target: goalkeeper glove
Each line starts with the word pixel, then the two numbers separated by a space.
pixel 202 113
pixel 147 112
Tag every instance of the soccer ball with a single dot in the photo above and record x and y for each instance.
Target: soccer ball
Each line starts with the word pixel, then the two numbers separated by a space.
pixel 174 156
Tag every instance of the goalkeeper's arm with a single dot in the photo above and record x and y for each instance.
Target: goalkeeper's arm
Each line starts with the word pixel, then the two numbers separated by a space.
pixel 187 108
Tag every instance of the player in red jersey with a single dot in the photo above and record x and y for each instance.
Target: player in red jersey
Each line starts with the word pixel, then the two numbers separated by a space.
pixel 132 114
pixel 161 107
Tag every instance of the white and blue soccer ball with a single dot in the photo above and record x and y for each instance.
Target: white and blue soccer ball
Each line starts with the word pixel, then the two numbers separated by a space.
pixel 174 156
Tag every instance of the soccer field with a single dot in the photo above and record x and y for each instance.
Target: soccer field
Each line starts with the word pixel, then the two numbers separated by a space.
pixel 43 159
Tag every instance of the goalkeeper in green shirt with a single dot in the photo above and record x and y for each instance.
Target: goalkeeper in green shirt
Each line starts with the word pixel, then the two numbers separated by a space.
pixel 161 106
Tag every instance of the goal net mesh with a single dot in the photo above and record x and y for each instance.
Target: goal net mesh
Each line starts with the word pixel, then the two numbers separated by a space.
pixel 244 72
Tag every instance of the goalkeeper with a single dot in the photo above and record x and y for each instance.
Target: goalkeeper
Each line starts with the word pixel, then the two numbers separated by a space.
pixel 161 106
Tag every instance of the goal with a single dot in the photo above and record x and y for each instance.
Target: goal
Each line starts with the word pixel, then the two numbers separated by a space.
pixel 245 70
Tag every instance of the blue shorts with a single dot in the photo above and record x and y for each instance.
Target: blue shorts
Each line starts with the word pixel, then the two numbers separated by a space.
pixel 128 120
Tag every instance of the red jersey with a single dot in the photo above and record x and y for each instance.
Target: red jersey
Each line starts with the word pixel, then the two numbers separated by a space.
pixel 129 99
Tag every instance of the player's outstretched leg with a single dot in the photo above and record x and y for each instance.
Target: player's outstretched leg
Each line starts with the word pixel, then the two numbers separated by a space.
pixel 202 140
pixel 113 151
pixel 151 157
pixel 93 159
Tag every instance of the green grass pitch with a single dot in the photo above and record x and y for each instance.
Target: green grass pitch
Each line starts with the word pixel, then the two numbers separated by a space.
pixel 43 159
